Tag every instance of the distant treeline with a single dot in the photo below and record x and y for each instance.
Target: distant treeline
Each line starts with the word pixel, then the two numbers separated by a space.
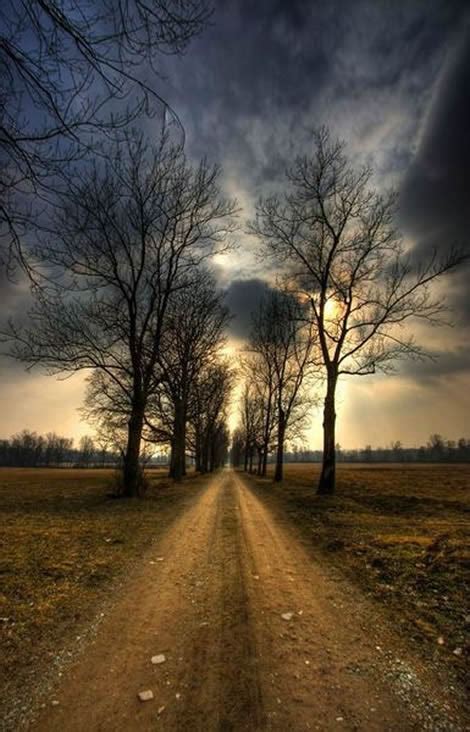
pixel 437 449
pixel 28 449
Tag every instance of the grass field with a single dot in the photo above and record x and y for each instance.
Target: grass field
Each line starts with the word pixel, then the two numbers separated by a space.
pixel 63 542
pixel 401 532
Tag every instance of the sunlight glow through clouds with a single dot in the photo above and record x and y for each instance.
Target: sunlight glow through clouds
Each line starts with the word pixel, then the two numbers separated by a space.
pixel 381 410
pixel 392 80
pixel 43 403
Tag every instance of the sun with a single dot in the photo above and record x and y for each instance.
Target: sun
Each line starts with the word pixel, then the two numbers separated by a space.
pixel 332 309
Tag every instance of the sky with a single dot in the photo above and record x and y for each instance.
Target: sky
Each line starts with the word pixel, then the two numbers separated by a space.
pixel 390 78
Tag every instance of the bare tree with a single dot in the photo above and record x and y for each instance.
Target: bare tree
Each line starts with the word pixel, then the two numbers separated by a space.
pixel 219 447
pixel 252 418
pixel 128 237
pixel 26 448
pixel 237 448
pixel 57 448
pixel 192 338
pixel 336 239
pixel 282 346
pixel 103 443
pixel 86 450
pixel 69 74
pixel 258 406
pixel 208 434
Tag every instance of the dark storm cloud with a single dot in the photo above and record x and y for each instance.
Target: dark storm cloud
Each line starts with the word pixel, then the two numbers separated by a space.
pixel 15 298
pixel 14 303
pixel 251 87
pixel 253 84
pixel 10 293
pixel 383 74
pixel 441 365
pixel 248 76
pixel 436 191
pixel 243 298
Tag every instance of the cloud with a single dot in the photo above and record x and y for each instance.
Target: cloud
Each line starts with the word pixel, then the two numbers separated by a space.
pixel 435 192
pixel 265 72
pixel 393 80
pixel 380 411
pixel 14 295
pixel 41 403
pixel 442 364
pixel 243 298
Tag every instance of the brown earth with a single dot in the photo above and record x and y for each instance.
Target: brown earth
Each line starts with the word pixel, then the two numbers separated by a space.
pixel 210 595
pixel 400 533
pixel 65 548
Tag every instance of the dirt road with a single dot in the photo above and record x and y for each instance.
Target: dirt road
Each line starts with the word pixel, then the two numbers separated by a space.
pixel 211 596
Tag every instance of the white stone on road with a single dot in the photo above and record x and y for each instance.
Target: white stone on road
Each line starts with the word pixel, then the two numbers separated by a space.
pixel 146 695
pixel 159 658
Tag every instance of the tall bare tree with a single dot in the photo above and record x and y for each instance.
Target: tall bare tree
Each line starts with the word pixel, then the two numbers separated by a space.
pixel 237 448
pixel 254 417
pixel 282 346
pixel 86 450
pixel 335 237
pixel 193 335
pixel 258 410
pixel 208 434
pixel 128 237
pixel 71 73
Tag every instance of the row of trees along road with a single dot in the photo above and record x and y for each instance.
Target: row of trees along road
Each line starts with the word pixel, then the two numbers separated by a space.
pixel 110 230
pixel 333 237
pixel 129 297
pixel 278 370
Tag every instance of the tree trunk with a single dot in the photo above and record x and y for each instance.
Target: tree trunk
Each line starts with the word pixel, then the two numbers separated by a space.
pixel 178 459
pixel 132 474
pixel 267 427
pixel 245 468
pixel 260 461
pixel 171 468
pixel 205 454
pixel 211 456
pixel 264 466
pixel 326 485
pixel 198 449
pixel 281 431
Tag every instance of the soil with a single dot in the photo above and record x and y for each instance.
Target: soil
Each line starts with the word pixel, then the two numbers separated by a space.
pixel 210 595
pixel 401 534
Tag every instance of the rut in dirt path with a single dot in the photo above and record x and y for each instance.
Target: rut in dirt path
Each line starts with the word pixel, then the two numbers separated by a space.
pixel 213 606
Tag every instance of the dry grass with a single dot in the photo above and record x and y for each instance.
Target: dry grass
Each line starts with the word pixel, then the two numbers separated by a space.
pixel 63 542
pixel 402 533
